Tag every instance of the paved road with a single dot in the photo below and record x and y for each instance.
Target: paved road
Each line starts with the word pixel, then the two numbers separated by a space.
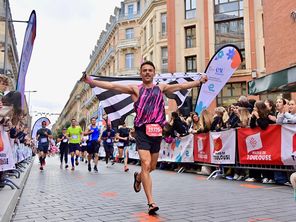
pixel 61 195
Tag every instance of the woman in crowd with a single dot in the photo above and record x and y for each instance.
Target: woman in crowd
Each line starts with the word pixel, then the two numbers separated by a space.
pixel 233 121
pixel 205 121
pixel 244 117
pixel 178 125
pixel 220 119
pixel 289 117
pixel 281 109
pixel 272 110
pixel 259 116
pixel 195 125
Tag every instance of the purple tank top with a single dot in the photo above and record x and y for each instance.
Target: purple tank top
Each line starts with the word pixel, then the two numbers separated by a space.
pixel 149 107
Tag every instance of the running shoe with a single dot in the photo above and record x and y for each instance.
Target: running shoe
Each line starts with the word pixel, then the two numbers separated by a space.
pixel 66 166
pixel 95 168
pixel 72 168
pixel 76 162
pixel 89 167
pixel 41 167
pixel 112 162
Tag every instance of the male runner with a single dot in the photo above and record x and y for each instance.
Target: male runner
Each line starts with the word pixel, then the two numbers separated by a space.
pixel 123 137
pixel 94 144
pixel 108 137
pixel 74 132
pixel 150 118
pixel 64 147
pixel 43 136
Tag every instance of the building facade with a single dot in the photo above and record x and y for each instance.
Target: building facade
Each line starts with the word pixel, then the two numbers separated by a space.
pixel 9 63
pixel 182 36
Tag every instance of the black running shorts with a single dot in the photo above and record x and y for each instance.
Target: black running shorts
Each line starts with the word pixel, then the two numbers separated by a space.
pixel 93 147
pixel 145 142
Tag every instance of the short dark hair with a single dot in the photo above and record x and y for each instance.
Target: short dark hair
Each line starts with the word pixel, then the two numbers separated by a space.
pixel 147 63
pixel 93 118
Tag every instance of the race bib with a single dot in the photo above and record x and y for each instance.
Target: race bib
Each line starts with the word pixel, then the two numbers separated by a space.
pixel 153 130
pixel 120 144
pixel 65 140
pixel 43 140
pixel 74 137
pixel 108 140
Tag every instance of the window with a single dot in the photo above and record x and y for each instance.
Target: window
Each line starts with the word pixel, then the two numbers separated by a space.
pixel 229 24
pixel 190 35
pixel 129 60
pixel 230 93
pixel 151 56
pixel 145 35
pixel 190 9
pixel 151 28
pixel 130 11
pixel 129 33
pixel 164 59
pixel 191 64
pixel 163 24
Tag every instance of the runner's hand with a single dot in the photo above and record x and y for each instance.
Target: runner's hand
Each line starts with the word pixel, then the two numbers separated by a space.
pixel 203 78
pixel 85 78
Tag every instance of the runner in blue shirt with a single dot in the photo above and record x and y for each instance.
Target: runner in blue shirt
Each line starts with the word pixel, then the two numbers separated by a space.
pixel 93 144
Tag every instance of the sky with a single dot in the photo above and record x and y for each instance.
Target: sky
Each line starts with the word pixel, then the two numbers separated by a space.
pixel 67 32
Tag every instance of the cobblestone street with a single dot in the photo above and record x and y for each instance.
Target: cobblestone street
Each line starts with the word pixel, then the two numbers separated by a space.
pixel 61 195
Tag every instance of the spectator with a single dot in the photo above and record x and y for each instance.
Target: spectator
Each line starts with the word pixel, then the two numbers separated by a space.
pixel 233 121
pixel 244 117
pixel 178 125
pixel 280 107
pixel 271 108
pixel 195 125
pixel 259 116
pixel 290 117
pixel 220 119
pixel 205 121
pixel 244 102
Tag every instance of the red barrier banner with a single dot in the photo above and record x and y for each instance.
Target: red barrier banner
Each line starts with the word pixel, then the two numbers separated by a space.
pixel 215 147
pixel 222 146
pixel 202 151
pixel 256 146
pixel 288 152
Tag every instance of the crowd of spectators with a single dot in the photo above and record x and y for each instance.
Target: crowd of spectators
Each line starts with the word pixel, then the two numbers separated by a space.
pixel 244 113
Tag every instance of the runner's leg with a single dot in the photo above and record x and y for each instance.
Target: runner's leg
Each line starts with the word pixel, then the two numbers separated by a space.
pixel 145 177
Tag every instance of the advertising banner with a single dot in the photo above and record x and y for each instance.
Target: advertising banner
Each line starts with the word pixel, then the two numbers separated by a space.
pixel 222 146
pixel 220 68
pixel 180 150
pixel 256 146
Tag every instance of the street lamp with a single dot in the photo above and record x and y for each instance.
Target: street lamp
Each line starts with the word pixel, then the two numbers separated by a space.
pixel 29 98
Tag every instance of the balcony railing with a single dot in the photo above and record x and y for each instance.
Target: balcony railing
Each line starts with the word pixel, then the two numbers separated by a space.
pixel 128 43
pixel 127 17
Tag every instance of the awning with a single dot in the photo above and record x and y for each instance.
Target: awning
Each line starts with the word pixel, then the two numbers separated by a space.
pixel 281 81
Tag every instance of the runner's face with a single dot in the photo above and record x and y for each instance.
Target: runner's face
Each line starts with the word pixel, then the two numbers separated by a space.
pixel 73 122
pixel 147 73
pixel 93 121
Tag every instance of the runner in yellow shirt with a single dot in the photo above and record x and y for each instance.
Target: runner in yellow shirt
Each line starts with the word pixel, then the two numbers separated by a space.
pixel 74 133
